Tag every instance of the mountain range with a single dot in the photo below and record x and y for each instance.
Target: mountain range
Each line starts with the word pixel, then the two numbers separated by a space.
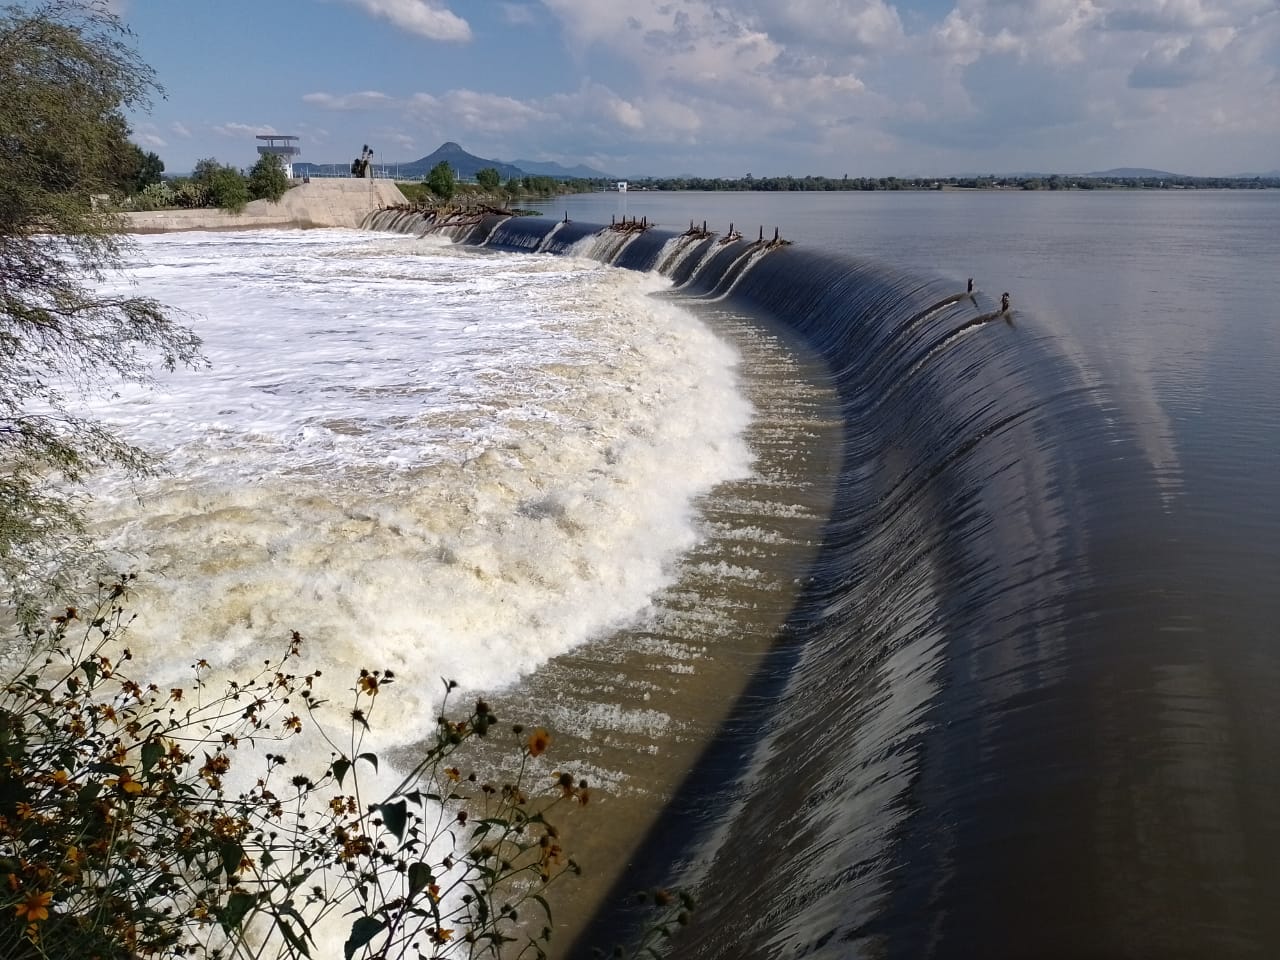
pixel 547 168
pixel 1136 173
pixel 465 165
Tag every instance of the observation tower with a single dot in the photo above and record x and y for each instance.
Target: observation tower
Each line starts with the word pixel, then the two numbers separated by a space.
pixel 284 146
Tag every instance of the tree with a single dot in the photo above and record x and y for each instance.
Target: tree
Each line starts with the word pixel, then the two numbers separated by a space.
pixel 489 178
pixel 440 180
pixel 139 170
pixel 226 186
pixel 68 70
pixel 267 180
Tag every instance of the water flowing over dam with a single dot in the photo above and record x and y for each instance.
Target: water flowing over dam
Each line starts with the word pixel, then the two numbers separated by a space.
pixel 1005 717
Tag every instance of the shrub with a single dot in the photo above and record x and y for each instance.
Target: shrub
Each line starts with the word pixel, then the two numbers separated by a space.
pixel 190 195
pixel 267 180
pixel 155 196
pixel 121 835
pixel 226 186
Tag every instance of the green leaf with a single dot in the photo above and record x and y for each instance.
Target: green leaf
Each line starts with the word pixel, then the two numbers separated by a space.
pixel 232 853
pixel 294 940
pixel 394 816
pixel 152 751
pixel 340 768
pixel 87 795
pixel 90 668
pixel 233 914
pixel 419 876
pixel 362 931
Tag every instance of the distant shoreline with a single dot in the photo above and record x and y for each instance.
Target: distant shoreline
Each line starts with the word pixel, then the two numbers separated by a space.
pixel 1035 184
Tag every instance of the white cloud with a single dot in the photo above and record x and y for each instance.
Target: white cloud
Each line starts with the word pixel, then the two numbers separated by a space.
pixel 459 113
pixel 690 41
pixel 487 112
pixel 1149 82
pixel 857 26
pixel 418 16
pixel 148 134
pixel 401 140
pixel 820 85
pixel 239 131
pixel 363 100
pixel 1179 16
pixel 628 115
pixel 958 40
pixel 519 14
pixel 706 70
pixel 180 129
pixel 1171 62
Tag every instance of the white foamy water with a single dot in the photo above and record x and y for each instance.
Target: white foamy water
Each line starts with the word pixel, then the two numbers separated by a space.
pixel 423 457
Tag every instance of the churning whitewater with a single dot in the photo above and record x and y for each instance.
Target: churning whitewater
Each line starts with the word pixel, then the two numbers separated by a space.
pixel 422 456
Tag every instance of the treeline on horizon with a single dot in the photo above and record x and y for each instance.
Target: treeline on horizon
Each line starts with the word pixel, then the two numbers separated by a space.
pixel 1042 182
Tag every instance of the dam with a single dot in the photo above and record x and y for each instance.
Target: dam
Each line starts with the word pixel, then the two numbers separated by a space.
pixel 999 719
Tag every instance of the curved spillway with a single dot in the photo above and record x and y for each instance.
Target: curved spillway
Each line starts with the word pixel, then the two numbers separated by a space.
pixel 981 732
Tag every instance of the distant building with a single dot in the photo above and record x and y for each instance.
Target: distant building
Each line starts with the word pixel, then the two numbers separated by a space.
pixel 622 186
pixel 280 145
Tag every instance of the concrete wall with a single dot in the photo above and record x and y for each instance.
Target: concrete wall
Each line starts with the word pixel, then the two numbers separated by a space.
pixel 320 203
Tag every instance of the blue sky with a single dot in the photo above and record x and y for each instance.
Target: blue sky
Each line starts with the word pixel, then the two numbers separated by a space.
pixel 724 87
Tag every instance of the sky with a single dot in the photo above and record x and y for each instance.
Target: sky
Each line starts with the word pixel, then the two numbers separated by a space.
pixel 723 87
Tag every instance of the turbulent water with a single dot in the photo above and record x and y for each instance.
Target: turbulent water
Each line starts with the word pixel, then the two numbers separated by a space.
pixel 425 459
pixel 1021 699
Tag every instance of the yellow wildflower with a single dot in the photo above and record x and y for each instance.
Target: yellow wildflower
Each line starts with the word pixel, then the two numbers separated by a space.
pixel 538 742
pixel 125 783
pixel 35 908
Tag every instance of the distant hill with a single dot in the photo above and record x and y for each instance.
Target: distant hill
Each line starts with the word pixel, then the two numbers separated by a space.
pixel 464 165
pixel 560 171
pixel 1133 173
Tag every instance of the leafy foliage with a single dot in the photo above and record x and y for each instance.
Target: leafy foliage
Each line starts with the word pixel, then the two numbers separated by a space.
pixel 128 830
pixel 441 181
pixel 489 178
pixel 155 196
pixel 139 170
pixel 267 180
pixel 67 70
pixel 225 186
pixel 190 195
